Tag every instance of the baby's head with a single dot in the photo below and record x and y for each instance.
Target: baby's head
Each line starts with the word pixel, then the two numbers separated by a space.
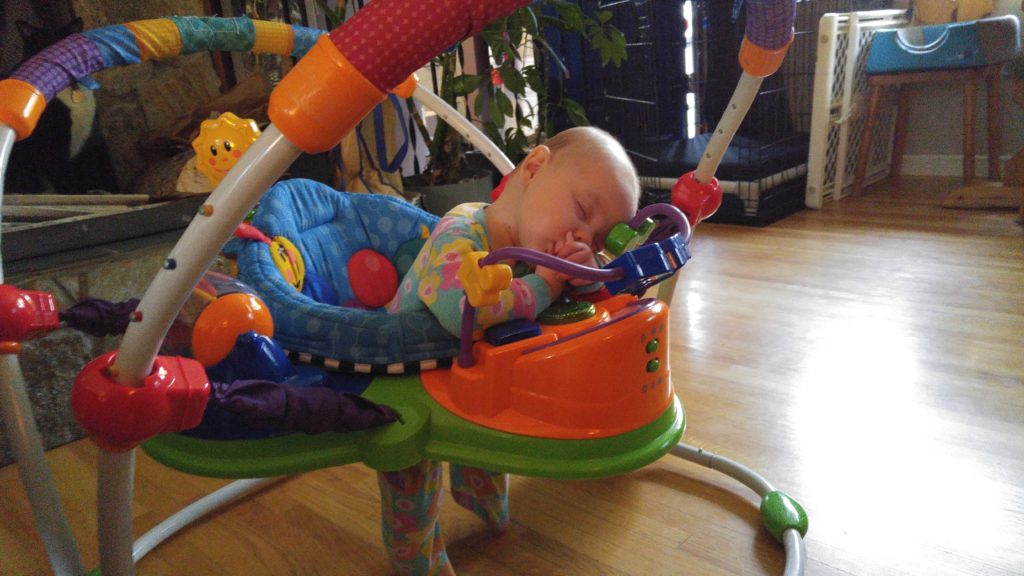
pixel 580 182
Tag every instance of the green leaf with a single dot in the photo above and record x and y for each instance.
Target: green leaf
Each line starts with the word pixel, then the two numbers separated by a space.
pixel 464 84
pixel 611 44
pixel 572 16
pixel 478 104
pixel 491 130
pixel 513 79
pixel 576 113
pixel 535 79
pixel 503 105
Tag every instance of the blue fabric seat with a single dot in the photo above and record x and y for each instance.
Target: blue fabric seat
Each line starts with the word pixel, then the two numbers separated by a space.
pixel 328 226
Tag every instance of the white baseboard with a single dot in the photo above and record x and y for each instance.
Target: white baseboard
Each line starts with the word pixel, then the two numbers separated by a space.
pixel 943 165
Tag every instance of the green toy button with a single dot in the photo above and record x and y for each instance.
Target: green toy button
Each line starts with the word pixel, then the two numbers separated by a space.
pixel 779 513
pixel 652 366
pixel 619 238
pixel 566 312
pixel 652 346
pixel 622 238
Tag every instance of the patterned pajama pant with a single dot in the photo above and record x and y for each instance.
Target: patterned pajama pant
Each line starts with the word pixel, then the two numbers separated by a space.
pixel 410 503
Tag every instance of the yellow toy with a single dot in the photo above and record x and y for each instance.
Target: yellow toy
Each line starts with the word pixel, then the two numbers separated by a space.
pixel 221 142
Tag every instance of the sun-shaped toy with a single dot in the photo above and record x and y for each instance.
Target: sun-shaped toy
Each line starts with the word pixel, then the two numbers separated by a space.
pixel 221 143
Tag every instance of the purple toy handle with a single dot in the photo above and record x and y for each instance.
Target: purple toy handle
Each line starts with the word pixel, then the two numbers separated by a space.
pixel 675 222
pixel 530 256
pixel 770 22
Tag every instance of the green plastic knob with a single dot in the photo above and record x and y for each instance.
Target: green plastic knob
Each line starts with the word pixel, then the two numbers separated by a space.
pixel 652 366
pixel 652 346
pixel 622 238
pixel 619 237
pixel 567 312
pixel 779 513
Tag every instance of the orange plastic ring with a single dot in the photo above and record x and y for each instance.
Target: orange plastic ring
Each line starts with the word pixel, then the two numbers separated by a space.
pixel 760 62
pixel 10 348
pixel 21 105
pixel 406 87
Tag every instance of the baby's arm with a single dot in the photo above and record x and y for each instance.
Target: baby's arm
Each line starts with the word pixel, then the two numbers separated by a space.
pixel 442 292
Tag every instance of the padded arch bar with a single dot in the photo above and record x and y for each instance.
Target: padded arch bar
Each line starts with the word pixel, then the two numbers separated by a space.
pixel 24 95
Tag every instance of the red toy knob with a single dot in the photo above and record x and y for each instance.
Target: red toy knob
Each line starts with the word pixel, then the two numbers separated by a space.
pixel 118 418
pixel 26 314
pixel 697 200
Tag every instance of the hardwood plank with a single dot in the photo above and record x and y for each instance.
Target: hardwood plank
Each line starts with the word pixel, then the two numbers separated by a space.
pixel 867 358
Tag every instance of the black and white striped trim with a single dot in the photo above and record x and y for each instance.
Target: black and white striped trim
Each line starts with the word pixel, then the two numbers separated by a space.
pixel 335 365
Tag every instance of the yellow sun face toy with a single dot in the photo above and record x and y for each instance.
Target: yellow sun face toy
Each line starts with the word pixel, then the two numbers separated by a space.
pixel 221 143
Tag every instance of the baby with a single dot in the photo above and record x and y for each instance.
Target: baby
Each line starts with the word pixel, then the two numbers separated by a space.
pixel 562 199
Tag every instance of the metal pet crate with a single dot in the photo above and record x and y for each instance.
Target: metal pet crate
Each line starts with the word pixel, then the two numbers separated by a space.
pixel 681 69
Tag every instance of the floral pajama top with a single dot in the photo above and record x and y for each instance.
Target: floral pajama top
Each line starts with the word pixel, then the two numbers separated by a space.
pixel 432 281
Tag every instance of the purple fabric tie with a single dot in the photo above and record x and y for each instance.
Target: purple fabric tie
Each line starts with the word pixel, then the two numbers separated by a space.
pixel 311 410
pixel 99 317
pixel 60 65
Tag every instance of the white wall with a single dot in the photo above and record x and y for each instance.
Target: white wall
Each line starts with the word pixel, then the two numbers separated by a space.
pixel 935 129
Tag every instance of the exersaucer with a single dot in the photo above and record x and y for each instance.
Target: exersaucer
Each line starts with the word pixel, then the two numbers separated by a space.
pixel 516 422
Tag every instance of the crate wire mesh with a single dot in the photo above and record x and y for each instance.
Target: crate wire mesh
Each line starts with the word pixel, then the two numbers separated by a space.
pixel 681 70
pixel 840 100
pixel 645 99
pixel 775 136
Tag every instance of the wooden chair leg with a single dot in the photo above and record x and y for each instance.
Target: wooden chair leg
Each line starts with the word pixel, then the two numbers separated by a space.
pixel 970 103
pixel 864 152
pixel 994 112
pixel 899 143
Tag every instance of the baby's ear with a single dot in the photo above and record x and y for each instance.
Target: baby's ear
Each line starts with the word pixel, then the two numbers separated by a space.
pixel 537 158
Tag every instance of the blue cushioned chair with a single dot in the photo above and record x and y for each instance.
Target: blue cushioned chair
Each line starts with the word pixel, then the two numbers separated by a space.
pixel 327 227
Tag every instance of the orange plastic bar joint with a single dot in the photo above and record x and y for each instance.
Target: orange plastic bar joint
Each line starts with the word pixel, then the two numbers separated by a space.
pixel 321 99
pixel 760 62
pixel 21 104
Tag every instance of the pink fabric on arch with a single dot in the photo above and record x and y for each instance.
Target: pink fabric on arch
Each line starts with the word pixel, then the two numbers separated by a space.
pixel 390 39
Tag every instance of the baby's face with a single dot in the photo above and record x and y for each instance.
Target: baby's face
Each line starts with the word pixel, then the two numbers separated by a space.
pixel 583 199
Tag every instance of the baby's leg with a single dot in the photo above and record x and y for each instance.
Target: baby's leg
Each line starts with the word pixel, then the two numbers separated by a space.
pixel 410 502
pixel 483 492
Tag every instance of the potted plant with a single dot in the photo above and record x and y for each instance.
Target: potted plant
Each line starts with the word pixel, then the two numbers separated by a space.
pixel 502 108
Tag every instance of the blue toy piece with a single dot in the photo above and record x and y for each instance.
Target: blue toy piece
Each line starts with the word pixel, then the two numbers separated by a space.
pixel 944 46
pixel 648 265
pixel 319 289
pixel 328 227
pixel 257 357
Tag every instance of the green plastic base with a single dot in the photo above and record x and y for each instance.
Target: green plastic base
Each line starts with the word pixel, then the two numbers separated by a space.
pixel 427 431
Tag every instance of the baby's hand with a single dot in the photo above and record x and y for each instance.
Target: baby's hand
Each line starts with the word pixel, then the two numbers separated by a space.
pixel 578 253
pixel 574 251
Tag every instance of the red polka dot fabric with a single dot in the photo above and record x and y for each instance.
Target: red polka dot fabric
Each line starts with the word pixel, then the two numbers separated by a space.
pixel 390 39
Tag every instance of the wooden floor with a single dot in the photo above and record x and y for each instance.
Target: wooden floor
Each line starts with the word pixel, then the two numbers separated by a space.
pixel 867 358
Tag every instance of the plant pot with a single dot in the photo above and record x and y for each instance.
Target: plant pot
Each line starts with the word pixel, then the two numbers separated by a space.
pixel 439 199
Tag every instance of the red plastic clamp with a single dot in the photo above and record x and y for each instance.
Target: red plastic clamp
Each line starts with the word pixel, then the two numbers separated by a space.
pixel 24 315
pixel 697 200
pixel 118 417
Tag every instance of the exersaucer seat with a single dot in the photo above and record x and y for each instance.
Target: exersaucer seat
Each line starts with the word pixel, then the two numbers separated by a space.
pixel 328 227
pixel 444 419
